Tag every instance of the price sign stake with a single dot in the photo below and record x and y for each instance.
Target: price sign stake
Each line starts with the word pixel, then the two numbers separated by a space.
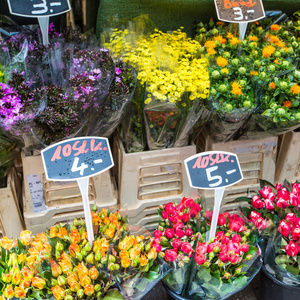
pixel 213 170
pixel 78 159
pixel 240 11
pixel 41 9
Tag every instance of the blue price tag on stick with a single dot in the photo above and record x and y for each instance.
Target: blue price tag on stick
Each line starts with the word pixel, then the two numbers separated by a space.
pixel 213 170
pixel 78 158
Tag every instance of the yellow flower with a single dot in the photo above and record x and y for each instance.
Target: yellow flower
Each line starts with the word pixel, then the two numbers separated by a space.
pixel 123 253
pixel 275 27
pixel 25 237
pixel 89 289
pixel 152 253
pixel 72 278
pixel 229 35
pixel 135 251
pixel 93 272
pixel 53 232
pixel 253 38
pixel 126 243
pixel 110 232
pixel 235 41
pixel 236 89
pixel 20 292
pixel 81 269
pixel 295 89
pixel 222 62
pixel 62 232
pixel 143 260
pixel 268 51
pixel 58 292
pixel 73 249
pixel 253 73
pixel 6 243
pixel 125 262
pixel 8 291
pixel 225 71
pixel 25 283
pixel 211 51
pixel 84 280
pixel 55 268
pixel 38 282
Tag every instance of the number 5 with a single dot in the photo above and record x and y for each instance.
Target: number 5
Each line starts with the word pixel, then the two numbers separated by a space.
pixel 210 178
pixel 239 13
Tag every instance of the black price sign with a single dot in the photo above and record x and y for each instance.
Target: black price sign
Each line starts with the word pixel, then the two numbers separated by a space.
pixel 38 8
pixel 77 158
pixel 213 170
pixel 239 11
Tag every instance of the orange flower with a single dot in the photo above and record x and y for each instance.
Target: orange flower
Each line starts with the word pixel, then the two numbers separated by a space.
pixel 93 272
pixel 152 253
pixel 220 23
pixel 103 212
pixel 280 44
pixel 253 38
pixel 222 62
pixel 125 262
pixel 211 51
pixel 229 35
pixel 295 89
pixel 25 237
pixel 126 243
pixel 20 292
pixel 55 268
pixel 8 292
pixel 66 266
pixel 6 243
pixel 218 38
pixel 84 280
pixel 253 73
pixel 272 85
pixel 64 256
pixel 25 283
pixel 72 278
pixel 16 277
pixel 26 272
pixel 276 61
pixel 274 39
pixel 210 44
pixel 140 238
pixel 73 249
pixel 143 260
pixel 81 269
pixel 110 232
pixel 38 282
pixel 235 41
pixel 268 51
pixel 58 292
pixel 256 23
pixel 275 27
pixel 89 289
pixel 135 251
pixel 95 218
pixel 62 232
pixel 53 232
pixel 123 253
pixel 287 103
pixel 75 236
pixel 236 89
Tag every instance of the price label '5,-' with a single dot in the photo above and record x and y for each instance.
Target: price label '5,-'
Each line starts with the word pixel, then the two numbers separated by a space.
pixel 213 169
pixel 77 158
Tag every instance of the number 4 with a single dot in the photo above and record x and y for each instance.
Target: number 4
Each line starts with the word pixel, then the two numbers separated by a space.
pixel 75 167
pixel 210 178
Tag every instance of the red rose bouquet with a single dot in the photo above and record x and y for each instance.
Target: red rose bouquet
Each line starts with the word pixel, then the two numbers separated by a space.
pixel 176 239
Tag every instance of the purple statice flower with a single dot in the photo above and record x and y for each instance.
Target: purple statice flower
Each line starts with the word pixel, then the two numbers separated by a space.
pixel 87 90
pixel 118 79
pixel 118 71
pixel 30 47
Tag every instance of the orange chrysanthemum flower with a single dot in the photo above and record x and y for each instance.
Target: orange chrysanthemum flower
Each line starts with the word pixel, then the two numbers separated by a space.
pixel 75 236
pixel 222 62
pixel 253 73
pixel 220 23
pixel 275 27
pixel 272 85
pixel 58 292
pixel 143 260
pixel 268 51
pixel 74 248
pixel 295 89
pixel 236 89
pixel 211 51
pixel 229 35
pixel 93 272
pixel 274 39
pixel 235 41
pixel 253 38
pixel 125 262
pixel 287 103
pixel 210 44
pixel 276 61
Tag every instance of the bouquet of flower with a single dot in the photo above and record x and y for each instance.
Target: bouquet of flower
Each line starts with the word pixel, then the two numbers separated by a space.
pixel 176 238
pixel 227 263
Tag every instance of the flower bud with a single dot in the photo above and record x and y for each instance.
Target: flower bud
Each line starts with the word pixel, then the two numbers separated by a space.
pixel 116 267
pixel 80 293
pixel 98 256
pixel 181 264
pixel 111 267
pixel 161 254
pixel 88 247
pixel 81 222
pixel 134 263
pixel 111 258
pixel 207 264
pixel 94 208
pixel 93 272
pixel 83 253
pixel 238 271
pixel 61 280
pixel 186 259
pixel 68 297
pixel 13 260
pixel 6 278
pixel 90 258
pixel 59 246
pixel 97 287
pixel 211 256
pixel 249 257
pixel 104 260
pixel 39 283
pixel 226 276
pixel 53 282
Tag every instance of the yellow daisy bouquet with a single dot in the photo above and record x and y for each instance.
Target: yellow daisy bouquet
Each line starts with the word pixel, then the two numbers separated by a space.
pixel 173 83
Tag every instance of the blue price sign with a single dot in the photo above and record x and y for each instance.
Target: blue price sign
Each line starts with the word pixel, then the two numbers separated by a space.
pixel 77 158
pixel 213 169
pixel 38 8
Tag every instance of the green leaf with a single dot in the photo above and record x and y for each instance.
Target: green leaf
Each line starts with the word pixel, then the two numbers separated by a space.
pixel 292 270
pixel 281 259
pixel 240 281
pixel 243 199
pixel 142 285
pixel 203 274
pixel 36 295
pixel 264 182
pixel 20 247
pixel 47 275
pixel 283 243
pixel 113 295
pixel 152 275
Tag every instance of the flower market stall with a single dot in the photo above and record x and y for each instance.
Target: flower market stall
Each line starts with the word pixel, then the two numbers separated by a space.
pixel 151 153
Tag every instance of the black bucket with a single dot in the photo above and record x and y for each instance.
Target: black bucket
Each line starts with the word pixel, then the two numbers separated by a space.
pixel 272 288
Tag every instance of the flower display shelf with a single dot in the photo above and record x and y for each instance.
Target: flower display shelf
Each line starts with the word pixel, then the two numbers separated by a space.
pixel 62 199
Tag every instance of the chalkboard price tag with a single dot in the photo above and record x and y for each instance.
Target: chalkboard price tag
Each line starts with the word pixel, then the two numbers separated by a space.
pixel 213 170
pixel 239 11
pixel 77 158
pixel 38 8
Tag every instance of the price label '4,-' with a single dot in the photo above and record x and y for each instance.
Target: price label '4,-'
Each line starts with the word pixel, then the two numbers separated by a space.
pixel 237 11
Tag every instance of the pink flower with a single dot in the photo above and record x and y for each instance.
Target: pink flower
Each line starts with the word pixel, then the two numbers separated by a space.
pixel 169 233
pixel 169 207
pixel 170 255
pixel 197 207
pixel 178 225
pixel 234 258
pixel 236 225
pixel 244 248
pixel 257 203
pixel 224 257
pixel 265 191
pixel 188 232
pixel 260 223
pixel 293 199
pixel 221 220
pixel 202 248
pixel 164 215
pixel 157 247
pixel 236 238
pixel 224 248
pixel 200 259
pixel 297 222
pixel 292 249
pixel 179 233
pixel 282 203
pixel 295 233
pixel 180 207
pixel 225 240
pixel 271 196
pixel 212 246
pixel 193 213
pixel 176 244
pixel 156 240
pixel 220 235
pixel 157 233
pixel 185 217
pixel 278 186
pixel 284 228
pixel 189 203
pixel 186 247
pixel 234 247
pixel 269 205
pixel 290 217
pixel 254 215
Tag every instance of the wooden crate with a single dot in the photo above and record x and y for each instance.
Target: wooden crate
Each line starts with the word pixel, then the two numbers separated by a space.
pixel 11 220
pixel 147 179
pixel 257 157
pixel 63 199
pixel 288 160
